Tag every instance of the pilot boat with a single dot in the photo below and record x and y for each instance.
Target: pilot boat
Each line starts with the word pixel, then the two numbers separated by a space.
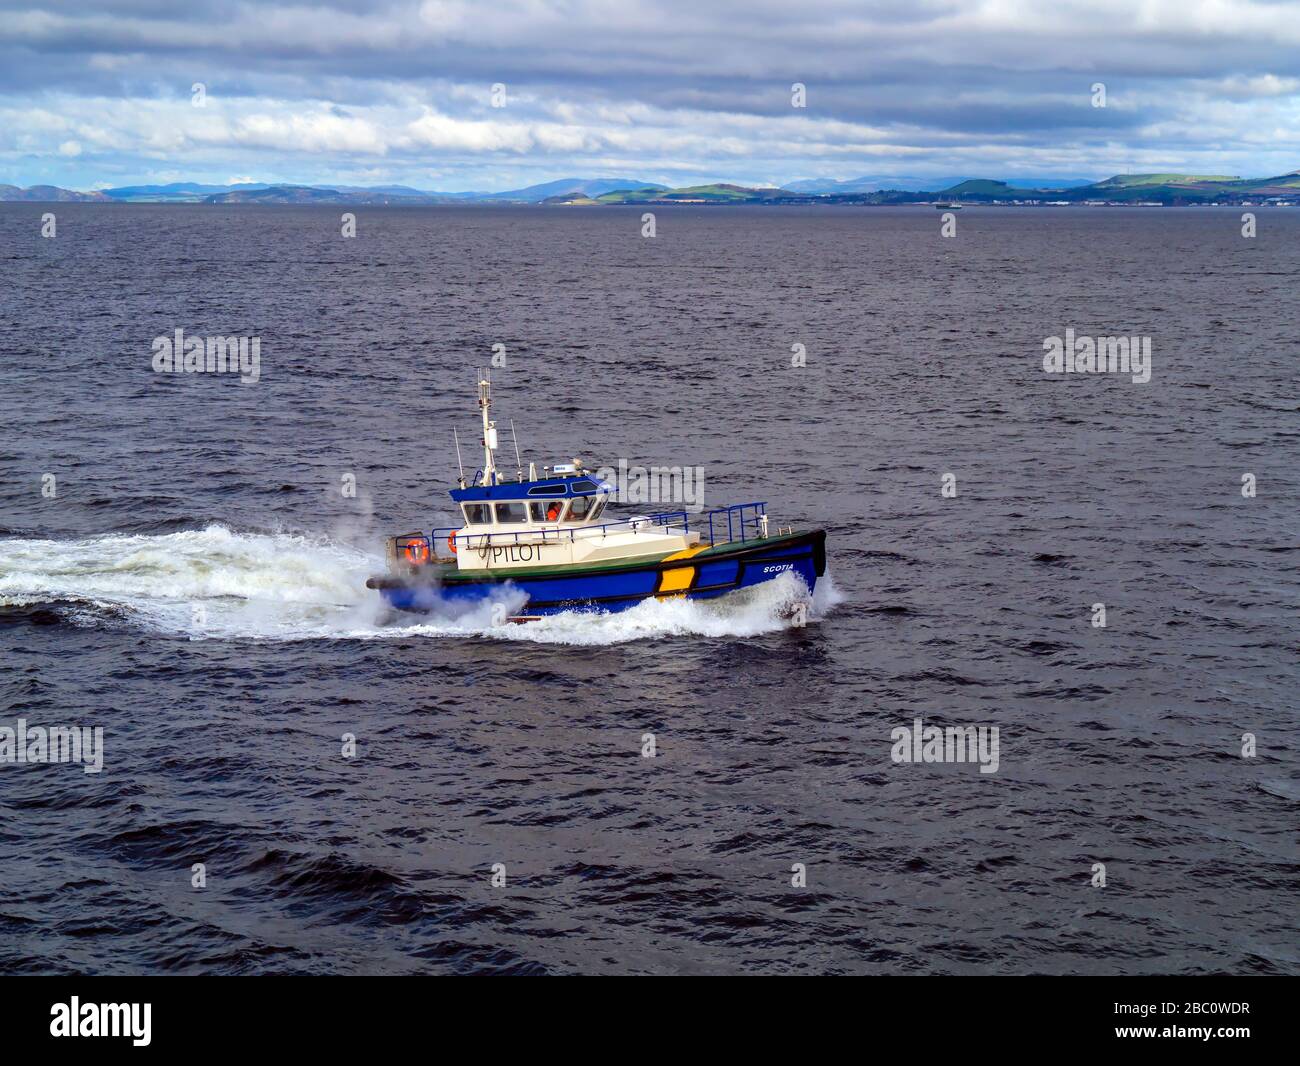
pixel 548 538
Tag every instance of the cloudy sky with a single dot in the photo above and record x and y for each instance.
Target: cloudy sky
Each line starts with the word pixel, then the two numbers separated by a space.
pixel 96 93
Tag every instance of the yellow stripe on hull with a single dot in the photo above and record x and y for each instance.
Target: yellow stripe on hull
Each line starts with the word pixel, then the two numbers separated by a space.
pixel 675 582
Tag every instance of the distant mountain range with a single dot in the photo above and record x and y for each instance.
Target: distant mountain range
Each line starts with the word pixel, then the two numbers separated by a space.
pixel 590 192
pixel 46 194
pixel 189 192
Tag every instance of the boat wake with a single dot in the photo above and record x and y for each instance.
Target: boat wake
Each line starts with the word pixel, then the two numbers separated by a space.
pixel 221 585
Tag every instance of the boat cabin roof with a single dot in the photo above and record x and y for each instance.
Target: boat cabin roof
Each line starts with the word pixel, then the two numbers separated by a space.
pixel 542 489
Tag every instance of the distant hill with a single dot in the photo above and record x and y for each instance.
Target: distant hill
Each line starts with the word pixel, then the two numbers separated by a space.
pixel 982 187
pixel 1282 184
pixel 390 190
pixel 1138 188
pixel 720 192
pixel 275 194
pixel 569 188
pixel 833 187
pixel 47 194
pixel 1192 188
pixel 717 193
pixel 311 194
pixel 904 183
pixel 177 192
pixel 1128 180
pixel 193 192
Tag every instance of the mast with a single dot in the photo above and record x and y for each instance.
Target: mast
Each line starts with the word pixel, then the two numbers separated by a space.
pixel 489 428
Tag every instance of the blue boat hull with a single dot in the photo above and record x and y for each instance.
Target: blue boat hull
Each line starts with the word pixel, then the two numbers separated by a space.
pixel 714 572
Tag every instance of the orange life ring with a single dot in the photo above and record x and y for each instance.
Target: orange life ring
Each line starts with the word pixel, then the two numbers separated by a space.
pixel 417 551
pixel 451 542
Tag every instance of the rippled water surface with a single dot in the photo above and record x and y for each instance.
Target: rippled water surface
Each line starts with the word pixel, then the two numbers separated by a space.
pixel 196 588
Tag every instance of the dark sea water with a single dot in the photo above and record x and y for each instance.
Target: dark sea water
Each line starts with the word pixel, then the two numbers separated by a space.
pixel 196 589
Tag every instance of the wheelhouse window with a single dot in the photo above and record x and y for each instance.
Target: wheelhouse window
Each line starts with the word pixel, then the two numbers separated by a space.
pixel 546 511
pixel 511 514
pixel 581 507
pixel 478 514
pixel 599 509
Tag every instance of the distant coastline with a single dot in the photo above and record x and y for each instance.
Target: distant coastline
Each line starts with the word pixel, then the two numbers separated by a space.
pixel 1121 190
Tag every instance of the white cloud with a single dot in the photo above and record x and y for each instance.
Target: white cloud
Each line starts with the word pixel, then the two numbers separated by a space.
pixel 401 88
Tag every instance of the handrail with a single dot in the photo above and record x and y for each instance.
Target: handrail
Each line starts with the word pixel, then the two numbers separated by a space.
pixel 736 517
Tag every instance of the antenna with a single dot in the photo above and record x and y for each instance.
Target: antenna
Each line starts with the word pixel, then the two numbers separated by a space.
pixel 489 428
pixel 456 438
pixel 518 462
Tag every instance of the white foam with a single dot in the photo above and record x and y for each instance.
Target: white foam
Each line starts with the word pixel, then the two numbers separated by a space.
pixel 217 584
